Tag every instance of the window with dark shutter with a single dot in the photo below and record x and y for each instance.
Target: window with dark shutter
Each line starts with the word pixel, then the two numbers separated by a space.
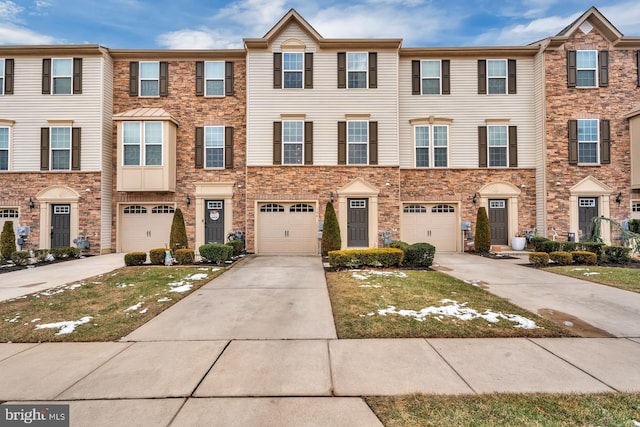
pixel 75 149
pixel 46 76
pixel 277 70
pixel 228 79
pixel 446 77
pixel 482 77
pixel 513 146
pixel 8 76
pixel 308 143
pixel 482 146
pixel 342 143
pixel 605 142
pixel 373 70
pixel 512 76
pixel 342 70
pixel 603 68
pixel 133 78
pixel 277 143
pixel 199 78
pixel 573 142
pixel 77 76
pixel 44 149
pixel 164 78
pixel 415 77
pixel 199 146
pixel 308 70
pixel 228 147
pixel 572 69
pixel 373 143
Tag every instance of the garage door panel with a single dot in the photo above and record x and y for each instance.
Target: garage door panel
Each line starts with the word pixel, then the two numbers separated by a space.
pixel 287 228
pixel 145 227
pixel 436 224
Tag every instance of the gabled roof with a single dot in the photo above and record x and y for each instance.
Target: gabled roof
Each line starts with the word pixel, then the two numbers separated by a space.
pixel 595 18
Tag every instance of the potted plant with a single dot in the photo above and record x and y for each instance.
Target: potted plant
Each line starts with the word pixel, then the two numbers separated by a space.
pixel 518 242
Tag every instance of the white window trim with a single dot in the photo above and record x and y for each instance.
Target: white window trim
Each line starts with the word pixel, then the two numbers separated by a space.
pixel 366 71
pixel 142 144
pixel 141 79
pixel 2 76
pixel 139 144
pixel 506 77
pixel 8 149
pixel 422 78
pixel 53 77
pixel 506 147
pixel 301 71
pixel 431 147
pixel 301 142
pixel 597 162
pixel 358 143
pixel 224 89
pixel 595 70
pixel 51 149
pixel 224 153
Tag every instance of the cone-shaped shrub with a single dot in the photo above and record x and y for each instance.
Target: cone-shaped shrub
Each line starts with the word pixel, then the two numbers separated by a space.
pixel 330 231
pixel 178 238
pixel 482 241
pixel 7 240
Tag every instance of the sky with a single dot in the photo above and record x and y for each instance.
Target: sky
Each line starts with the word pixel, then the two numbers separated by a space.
pixel 210 24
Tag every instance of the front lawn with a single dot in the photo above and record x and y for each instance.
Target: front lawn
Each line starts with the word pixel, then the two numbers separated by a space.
pixel 102 308
pixel 619 277
pixel 425 304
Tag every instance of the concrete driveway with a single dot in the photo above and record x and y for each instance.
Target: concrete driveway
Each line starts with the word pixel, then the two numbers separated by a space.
pixel 265 297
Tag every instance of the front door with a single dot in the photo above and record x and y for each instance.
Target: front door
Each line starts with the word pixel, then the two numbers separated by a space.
pixel 498 220
pixel 60 226
pixel 358 223
pixel 214 221
pixel 587 210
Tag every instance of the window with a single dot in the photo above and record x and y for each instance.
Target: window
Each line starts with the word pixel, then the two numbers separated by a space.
pixel 587 203
pixel 135 209
pixel 414 209
pixel 272 207
pixel 431 146
pixel 149 79
pixel 62 75
pixel 214 204
pixel 4 148
pixel 214 74
pixel 293 69
pixel 586 66
pixel 443 209
pixel 588 141
pixel 497 204
pixel 163 209
pixel 1 76
pixel 498 145
pixel 430 77
pixel 9 213
pixel 214 146
pixel 357 204
pixel 138 134
pixel 497 76
pixel 62 210
pixel 301 207
pixel 357 142
pixel 635 207
pixel 60 148
pixel 292 142
pixel 357 70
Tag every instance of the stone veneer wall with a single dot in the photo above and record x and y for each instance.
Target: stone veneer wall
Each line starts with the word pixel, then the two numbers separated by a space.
pixel 191 111
pixel 564 103
pixel 28 184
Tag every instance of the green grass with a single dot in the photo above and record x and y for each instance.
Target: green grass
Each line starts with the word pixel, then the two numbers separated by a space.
pixel 612 409
pixel 104 298
pixel 356 303
pixel 619 277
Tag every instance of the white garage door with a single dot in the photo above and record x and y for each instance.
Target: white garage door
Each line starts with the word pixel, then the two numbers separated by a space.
pixel 145 227
pixel 9 215
pixel 436 224
pixel 287 228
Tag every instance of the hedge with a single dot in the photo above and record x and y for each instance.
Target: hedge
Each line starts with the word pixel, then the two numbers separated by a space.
pixel 41 254
pixel 539 259
pixel 184 256
pixel 64 252
pixel 616 254
pixel 561 257
pixel 20 257
pixel 214 252
pixel 356 258
pixel 157 256
pixel 420 255
pixel 135 258
pixel 584 257
pixel 237 245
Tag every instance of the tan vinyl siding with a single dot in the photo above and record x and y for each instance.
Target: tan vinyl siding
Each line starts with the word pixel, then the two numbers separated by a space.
pixel 468 110
pixel 324 105
pixel 84 109
pixel 294 32
pixel 541 144
pixel 106 181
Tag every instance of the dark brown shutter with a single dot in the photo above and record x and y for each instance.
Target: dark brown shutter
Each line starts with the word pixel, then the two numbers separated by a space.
pixel 44 149
pixel 603 65
pixel 512 76
pixel 133 78
pixel 199 157
pixel 415 77
pixel 342 143
pixel 572 70
pixel 482 146
pixel 164 78
pixel 373 143
pixel 228 147
pixel 308 70
pixel 605 142
pixel 77 76
pixel 573 142
pixel 638 65
pixel 373 70
pixel 277 143
pixel 8 76
pixel 228 79
pixel 199 78
pixel 277 70
pixel 446 77
pixel 482 76
pixel 513 146
pixel 342 70
pixel 308 143
pixel 46 76
pixel 75 149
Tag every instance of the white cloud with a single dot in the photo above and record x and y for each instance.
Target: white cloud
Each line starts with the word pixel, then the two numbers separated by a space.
pixel 625 16
pixel 9 11
pixel 198 39
pixel 522 34
pixel 12 34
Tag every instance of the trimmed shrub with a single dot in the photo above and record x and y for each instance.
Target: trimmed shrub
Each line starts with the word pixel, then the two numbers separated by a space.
pixel 634 226
pixel 584 257
pixel 185 256
pixel 482 241
pixel 420 255
pixel 178 237
pixel 594 247
pixel 356 258
pixel 549 246
pixel 331 240
pixel 561 257
pixel 539 259
pixel 237 245
pixel 135 258
pixel 64 252
pixel 616 254
pixel 20 257
pixel 399 244
pixel 535 241
pixel 215 252
pixel 40 254
pixel 570 246
pixel 7 240
pixel 157 255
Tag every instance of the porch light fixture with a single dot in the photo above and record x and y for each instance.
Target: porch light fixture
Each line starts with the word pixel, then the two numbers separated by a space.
pixel 331 197
pixel 474 199
pixel 188 200
pixel 31 204
pixel 619 198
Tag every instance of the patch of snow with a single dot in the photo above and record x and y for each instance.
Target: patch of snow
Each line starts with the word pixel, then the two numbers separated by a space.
pixel 636 423
pixel 197 276
pixel 579 269
pixel 134 307
pixel 591 273
pixel 74 286
pixel 359 276
pixel 365 275
pixel 14 320
pixel 65 327
pixel 51 292
pixel 567 323
pixel 181 289
pixel 165 299
pixel 144 311
pixel 123 285
pixel 214 269
pixel 451 308
pixel 35 320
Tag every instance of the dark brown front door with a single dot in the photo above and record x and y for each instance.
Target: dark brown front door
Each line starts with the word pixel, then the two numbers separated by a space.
pixel 587 210
pixel 214 221
pixel 60 226
pixel 499 220
pixel 358 223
